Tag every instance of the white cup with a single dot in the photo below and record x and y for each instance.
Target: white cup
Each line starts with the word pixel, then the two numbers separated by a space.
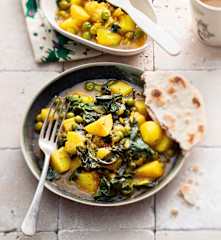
pixel 206 22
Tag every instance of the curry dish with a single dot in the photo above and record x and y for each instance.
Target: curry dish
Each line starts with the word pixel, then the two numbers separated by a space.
pixel 109 148
pixel 100 22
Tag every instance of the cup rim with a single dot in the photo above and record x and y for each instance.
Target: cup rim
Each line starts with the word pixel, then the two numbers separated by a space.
pixel 217 9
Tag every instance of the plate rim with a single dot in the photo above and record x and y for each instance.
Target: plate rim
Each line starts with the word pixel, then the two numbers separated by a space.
pixel 56 191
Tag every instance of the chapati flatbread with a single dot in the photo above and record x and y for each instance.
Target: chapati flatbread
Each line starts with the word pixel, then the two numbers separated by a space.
pixel 177 105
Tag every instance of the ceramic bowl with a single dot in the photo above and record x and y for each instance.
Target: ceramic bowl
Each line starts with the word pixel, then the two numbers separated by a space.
pixel 49 8
pixel 65 81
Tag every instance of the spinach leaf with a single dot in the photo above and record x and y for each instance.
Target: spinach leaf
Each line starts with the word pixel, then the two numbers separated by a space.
pixel 139 146
pixel 104 191
pixel 52 175
pixel 84 109
pixel 109 102
pixel 89 161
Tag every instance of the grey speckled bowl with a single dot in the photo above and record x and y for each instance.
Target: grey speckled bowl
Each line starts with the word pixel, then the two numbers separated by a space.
pixel 67 80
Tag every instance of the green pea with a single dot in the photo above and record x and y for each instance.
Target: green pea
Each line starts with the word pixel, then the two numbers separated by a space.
pixel 64 5
pixel 86 35
pixel 138 33
pixel 105 15
pixel 121 110
pixel 38 118
pixel 63 14
pixel 132 164
pixel 129 35
pixel 70 115
pixel 86 26
pixel 74 126
pixel 89 86
pixel 130 102
pixel 122 120
pixel 118 136
pixel 78 119
pixel 57 100
pixel 127 143
pixel 126 130
pixel 38 126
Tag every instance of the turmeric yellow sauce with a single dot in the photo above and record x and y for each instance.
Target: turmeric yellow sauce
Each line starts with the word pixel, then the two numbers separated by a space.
pixel 109 148
pixel 100 22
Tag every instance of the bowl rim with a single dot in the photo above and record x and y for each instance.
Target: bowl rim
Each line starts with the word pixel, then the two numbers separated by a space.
pixel 94 45
pixel 54 189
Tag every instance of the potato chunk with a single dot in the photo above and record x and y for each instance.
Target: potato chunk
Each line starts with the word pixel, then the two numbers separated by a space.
pixel 88 182
pixel 102 152
pixel 108 38
pixel 60 160
pixel 71 25
pixel 78 13
pixel 101 127
pixel 74 140
pixel 152 170
pixel 127 24
pixel 68 124
pixel 77 2
pixel 141 181
pixel 141 107
pixel 44 114
pixel 164 144
pixel 151 132
pixel 120 87
pixel 95 9
pixel 75 163
pixel 139 118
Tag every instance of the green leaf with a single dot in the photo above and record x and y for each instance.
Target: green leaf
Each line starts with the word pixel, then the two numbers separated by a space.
pixel 31 8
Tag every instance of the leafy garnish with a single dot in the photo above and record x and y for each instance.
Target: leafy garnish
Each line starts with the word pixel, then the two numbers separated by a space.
pixel 109 102
pixel 52 175
pixel 89 161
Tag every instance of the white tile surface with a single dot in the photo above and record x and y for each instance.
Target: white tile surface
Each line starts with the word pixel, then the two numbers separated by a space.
pixel 38 236
pixel 143 61
pixel 136 216
pixel 184 235
pixel 101 235
pixel 17 187
pixel 15 48
pixel 18 89
pixel 175 17
pixel 205 188
pixel 131 222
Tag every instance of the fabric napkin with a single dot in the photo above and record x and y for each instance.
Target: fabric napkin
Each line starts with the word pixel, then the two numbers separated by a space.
pixel 48 45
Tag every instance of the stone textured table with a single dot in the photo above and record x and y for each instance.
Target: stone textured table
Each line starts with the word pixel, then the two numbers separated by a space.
pixel 166 216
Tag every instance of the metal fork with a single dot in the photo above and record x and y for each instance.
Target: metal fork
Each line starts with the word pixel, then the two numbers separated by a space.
pixel 48 143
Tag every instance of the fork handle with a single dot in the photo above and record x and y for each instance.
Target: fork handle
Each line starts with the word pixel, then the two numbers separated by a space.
pixel 30 221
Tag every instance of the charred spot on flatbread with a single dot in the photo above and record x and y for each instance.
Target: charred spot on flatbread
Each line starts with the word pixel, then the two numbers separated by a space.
pixel 177 105
pixel 196 102
pixel 191 138
pixel 178 81
pixel 157 96
pixel 201 129
pixel 171 90
pixel 156 93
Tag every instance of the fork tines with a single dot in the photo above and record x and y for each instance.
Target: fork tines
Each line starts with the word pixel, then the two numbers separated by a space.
pixel 53 123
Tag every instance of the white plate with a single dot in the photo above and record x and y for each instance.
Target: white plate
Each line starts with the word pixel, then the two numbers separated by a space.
pixel 49 8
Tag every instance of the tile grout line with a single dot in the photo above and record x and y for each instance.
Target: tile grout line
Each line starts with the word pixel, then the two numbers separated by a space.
pixel 28 70
pixel 6 232
pixel 154 69
pixel 199 146
pixel 155 216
